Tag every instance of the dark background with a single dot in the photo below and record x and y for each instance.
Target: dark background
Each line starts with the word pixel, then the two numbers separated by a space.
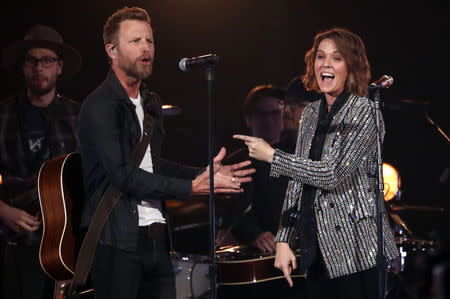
pixel 261 42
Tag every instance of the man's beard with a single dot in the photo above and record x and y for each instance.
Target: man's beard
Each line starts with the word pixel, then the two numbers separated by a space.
pixel 134 70
pixel 40 89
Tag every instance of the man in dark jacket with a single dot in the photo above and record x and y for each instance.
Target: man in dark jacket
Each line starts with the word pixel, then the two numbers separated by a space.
pixel 132 257
pixel 35 125
pixel 258 225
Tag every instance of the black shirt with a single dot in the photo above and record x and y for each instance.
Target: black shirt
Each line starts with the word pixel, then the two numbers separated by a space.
pixel 307 221
pixel 36 136
pixel 266 195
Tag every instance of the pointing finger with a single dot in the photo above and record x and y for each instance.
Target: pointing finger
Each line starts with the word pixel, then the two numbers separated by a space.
pixel 287 275
pixel 243 137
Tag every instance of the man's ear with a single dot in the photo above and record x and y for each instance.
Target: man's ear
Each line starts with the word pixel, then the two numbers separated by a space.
pixel 59 67
pixel 111 50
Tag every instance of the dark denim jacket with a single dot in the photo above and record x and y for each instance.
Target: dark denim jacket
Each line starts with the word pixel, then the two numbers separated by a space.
pixel 109 131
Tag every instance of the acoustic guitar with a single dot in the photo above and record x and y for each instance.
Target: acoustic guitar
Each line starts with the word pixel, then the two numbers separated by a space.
pixel 61 196
pixel 60 191
pixel 238 265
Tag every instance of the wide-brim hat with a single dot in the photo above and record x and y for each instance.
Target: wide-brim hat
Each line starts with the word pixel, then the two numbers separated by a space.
pixel 42 36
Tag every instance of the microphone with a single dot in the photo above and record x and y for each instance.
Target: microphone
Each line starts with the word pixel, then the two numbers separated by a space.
pixel 385 81
pixel 208 60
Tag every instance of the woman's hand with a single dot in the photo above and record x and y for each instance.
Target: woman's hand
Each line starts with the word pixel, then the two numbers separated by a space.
pixel 257 148
pixel 285 261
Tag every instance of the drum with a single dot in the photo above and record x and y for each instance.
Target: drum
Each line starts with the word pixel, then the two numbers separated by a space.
pixel 408 245
pixel 191 276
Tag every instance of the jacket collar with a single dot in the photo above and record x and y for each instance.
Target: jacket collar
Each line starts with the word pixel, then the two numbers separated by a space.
pixel 150 100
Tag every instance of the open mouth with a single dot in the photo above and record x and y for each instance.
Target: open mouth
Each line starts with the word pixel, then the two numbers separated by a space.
pixel 327 77
pixel 145 61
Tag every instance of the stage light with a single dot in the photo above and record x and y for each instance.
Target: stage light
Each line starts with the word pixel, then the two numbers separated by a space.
pixel 392 182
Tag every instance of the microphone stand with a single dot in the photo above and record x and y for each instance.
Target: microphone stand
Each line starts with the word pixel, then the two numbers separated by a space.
pixel 436 126
pixel 212 216
pixel 209 69
pixel 381 256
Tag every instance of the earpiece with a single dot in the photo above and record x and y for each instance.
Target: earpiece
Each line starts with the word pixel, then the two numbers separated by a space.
pixel 111 50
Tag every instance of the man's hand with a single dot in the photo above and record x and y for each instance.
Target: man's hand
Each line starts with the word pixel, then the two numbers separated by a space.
pixel 257 148
pixel 225 237
pixel 285 261
pixel 227 179
pixel 222 184
pixel 265 242
pixel 235 171
pixel 18 220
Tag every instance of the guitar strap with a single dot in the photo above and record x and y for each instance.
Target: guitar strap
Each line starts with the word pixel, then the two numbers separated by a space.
pixel 104 208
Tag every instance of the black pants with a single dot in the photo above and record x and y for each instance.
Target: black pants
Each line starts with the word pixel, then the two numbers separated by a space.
pixel 274 289
pixel 360 285
pixel 146 273
pixel 22 276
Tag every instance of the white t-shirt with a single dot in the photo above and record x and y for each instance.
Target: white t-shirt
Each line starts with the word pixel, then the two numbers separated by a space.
pixel 148 211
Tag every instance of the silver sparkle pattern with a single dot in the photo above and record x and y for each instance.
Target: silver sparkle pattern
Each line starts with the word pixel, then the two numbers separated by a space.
pixel 345 199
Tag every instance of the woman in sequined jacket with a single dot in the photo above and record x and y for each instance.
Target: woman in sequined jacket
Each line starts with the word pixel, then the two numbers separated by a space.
pixel 329 210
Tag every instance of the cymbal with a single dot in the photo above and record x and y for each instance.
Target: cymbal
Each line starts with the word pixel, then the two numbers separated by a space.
pixel 416 208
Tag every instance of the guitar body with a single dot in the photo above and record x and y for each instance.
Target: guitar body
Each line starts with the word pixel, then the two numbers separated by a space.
pixel 238 265
pixel 60 195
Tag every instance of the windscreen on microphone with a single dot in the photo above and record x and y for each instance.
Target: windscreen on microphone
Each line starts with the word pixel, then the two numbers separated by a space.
pixel 205 60
pixel 385 81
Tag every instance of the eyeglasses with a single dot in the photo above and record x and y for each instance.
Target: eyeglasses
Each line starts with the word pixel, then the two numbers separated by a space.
pixel 46 61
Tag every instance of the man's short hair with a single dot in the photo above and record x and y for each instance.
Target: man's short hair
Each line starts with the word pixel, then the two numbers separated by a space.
pixel 258 93
pixel 297 93
pixel 112 25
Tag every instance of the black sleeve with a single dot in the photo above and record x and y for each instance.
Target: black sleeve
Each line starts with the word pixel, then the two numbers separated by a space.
pixel 246 228
pixel 165 167
pixel 101 130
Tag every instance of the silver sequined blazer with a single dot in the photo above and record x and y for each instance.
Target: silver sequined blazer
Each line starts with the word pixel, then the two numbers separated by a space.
pixel 345 179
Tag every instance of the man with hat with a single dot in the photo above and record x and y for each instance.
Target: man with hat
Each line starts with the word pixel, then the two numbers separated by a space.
pixel 35 125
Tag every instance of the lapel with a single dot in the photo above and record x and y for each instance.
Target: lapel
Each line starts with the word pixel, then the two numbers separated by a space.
pixel 337 126
pixel 307 129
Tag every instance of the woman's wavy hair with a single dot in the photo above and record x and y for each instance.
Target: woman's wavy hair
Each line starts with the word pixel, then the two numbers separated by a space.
pixel 352 49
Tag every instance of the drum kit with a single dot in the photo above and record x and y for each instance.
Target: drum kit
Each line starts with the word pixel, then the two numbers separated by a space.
pixel 406 240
